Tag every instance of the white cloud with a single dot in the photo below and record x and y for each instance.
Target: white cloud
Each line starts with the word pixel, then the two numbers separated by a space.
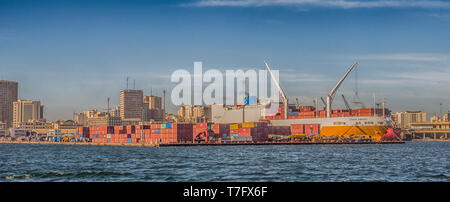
pixel 415 57
pixel 424 76
pixel 297 77
pixel 346 4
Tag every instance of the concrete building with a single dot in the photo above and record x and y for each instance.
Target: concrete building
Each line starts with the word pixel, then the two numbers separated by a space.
pixel 446 116
pixel 65 127
pixel 115 112
pixel 433 130
pixel 234 114
pixel 181 113
pixel 105 121
pixel 81 119
pixel 152 108
pixel 92 116
pixel 131 104
pixel 25 111
pixel 172 118
pixel 154 102
pixel 8 94
pixel 2 129
pixel 404 119
pixel 34 125
pixel 192 113
pixel 17 132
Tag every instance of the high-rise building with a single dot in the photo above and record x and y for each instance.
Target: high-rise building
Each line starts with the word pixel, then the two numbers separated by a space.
pixel 26 111
pixel 404 119
pixel 152 108
pixel 154 102
pixel 192 113
pixel 8 94
pixel 131 104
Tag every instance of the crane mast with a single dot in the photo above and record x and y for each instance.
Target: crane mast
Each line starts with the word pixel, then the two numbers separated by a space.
pixel 346 103
pixel 285 99
pixel 323 101
pixel 335 88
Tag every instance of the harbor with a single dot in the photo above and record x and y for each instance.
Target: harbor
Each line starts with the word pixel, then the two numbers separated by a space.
pixel 254 121
pixel 194 144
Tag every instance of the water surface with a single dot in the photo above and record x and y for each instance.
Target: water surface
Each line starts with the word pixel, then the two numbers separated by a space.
pixel 413 161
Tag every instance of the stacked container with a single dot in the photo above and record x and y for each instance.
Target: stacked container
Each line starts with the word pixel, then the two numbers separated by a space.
pixel 83 132
pixel 297 129
pixel 200 128
pixel 312 129
pixel 99 134
pixel 280 130
pixel 220 130
pixel 258 131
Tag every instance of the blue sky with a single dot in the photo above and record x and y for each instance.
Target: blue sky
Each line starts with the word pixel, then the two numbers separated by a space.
pixel 71 55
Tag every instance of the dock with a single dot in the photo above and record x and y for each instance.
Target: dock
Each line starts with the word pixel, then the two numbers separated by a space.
pixel 194 144
pixel 273 143
pixel 81 143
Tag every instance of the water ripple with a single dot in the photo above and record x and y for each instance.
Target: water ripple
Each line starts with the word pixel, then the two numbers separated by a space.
pixel 413 161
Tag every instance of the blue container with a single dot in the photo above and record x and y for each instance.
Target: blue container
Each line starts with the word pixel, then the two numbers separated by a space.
pixel 129 140
pixel 168 125
pixel 234 135
pixel 158 131
pixel 224 135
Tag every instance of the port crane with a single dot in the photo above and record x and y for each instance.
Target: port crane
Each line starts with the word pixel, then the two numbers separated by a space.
pixel 346 103
pixel 356 100
pixel 333 91
pixel 323 101
pixel 285 99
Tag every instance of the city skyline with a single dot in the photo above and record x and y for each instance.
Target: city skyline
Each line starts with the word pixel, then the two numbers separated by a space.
pixel 73 55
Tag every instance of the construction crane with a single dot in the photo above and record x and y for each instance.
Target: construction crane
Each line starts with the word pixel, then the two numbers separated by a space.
pixel 315 103
pixel 356 99
pixel 323 101
pixel 335 88
pixel 285 99
pixel 346 103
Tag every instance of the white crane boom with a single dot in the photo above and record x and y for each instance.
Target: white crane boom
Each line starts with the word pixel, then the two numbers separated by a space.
pixel 285 99
pixel 330 95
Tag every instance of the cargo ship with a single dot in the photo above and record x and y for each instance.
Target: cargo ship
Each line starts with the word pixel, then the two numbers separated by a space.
pixel 370 123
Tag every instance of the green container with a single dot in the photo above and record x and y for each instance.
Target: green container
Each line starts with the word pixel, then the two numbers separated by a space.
pixel 163 125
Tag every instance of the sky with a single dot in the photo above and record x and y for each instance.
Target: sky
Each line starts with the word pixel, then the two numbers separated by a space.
pixel 72 55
